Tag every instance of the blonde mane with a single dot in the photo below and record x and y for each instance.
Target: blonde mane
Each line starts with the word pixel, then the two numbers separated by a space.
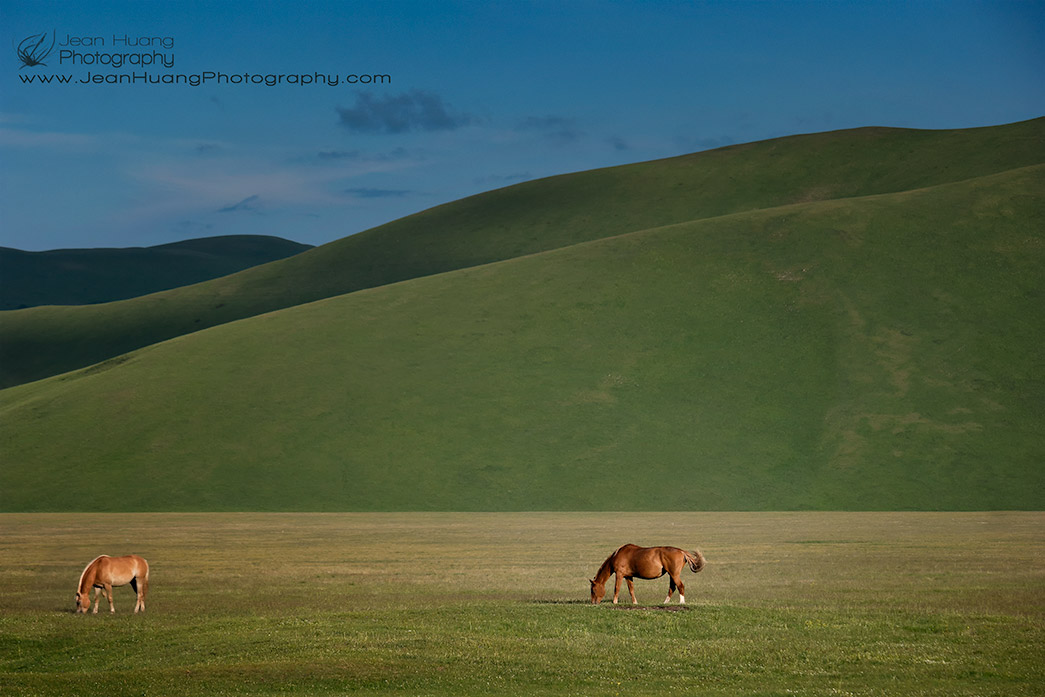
pixel 79 588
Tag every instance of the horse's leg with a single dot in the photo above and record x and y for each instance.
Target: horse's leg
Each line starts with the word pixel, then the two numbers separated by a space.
pixel 97 593
pixel 671 589
pixel 137 595
pixel 631 589
pixel 616 588
pixel 682 589
pixel 108 596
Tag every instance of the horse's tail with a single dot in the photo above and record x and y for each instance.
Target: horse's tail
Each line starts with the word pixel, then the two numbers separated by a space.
pixel 696 560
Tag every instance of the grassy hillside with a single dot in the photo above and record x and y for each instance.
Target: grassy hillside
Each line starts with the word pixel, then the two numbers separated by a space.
pixel 525 219
pixel 879 352
pixel 86 276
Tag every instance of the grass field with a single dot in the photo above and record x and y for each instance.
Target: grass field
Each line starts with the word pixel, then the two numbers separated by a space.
pixel 442 603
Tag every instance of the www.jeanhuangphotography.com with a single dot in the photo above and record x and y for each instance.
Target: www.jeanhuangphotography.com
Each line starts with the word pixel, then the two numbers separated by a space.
pixel 96 53
pixel 211 77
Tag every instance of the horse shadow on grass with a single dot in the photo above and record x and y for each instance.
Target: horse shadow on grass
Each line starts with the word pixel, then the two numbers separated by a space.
pixel 611 606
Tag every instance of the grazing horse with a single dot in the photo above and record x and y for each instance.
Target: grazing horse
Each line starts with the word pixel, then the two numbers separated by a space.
pixel 105 572
pixel 631 561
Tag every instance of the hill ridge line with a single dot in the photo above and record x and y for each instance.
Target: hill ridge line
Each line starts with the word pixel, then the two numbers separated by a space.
pixel 803 205
pixel 526 219
pixel 800 205
pixel 621 235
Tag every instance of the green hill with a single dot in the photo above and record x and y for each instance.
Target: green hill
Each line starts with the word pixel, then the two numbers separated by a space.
pixel 87 276
pixel 525 219
pixel 852 352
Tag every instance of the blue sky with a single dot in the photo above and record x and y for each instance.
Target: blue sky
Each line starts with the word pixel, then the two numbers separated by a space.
pixel 479 95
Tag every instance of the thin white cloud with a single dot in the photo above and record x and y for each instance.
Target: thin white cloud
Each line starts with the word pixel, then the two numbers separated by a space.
pixel 20 138
pixel 176 180
pixel 417 110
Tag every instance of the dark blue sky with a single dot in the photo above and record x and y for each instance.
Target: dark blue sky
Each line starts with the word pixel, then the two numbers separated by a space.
pixel 478 96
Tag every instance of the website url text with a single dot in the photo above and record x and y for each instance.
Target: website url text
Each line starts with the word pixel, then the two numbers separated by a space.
pixel 207 78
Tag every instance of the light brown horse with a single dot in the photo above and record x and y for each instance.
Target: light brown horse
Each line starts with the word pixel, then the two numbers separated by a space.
pixel 632 561
pixel 105 572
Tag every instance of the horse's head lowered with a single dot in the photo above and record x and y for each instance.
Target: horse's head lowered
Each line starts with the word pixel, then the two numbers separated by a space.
pixel 83 602
pixel 597 591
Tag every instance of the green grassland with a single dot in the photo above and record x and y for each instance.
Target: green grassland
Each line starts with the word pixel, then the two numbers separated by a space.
pixel 525 219
pixel 879 352
pixel 496 604
pixel 84 276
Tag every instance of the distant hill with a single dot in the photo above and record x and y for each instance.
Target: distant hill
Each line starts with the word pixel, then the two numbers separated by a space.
pixel 524 219
pixel 88 276
pixel 875 352
pixel 840 321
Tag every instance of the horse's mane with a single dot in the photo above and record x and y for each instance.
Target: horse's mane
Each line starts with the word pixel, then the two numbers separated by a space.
pixel 80 586
pixel 607 566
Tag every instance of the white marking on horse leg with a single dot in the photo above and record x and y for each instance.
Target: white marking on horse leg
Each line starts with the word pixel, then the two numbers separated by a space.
pixel 667 599
pixel 682 599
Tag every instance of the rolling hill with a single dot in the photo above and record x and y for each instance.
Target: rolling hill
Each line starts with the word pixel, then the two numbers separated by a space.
pixel 525 219
pixel 818 333
pixel 89 276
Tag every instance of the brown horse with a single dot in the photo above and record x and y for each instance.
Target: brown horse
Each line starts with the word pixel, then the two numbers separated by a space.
pixel 105 572
pixel 631 561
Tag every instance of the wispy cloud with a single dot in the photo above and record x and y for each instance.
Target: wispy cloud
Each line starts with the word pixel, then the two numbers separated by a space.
pixel 193 227
pixel 334 155
pixel 247 204
pixel 364 161
pixel 417 110
pixel 558 129
pixel 362 192
pixel 18 138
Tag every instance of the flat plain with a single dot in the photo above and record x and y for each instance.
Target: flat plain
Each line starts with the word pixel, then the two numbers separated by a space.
pixel 497 604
